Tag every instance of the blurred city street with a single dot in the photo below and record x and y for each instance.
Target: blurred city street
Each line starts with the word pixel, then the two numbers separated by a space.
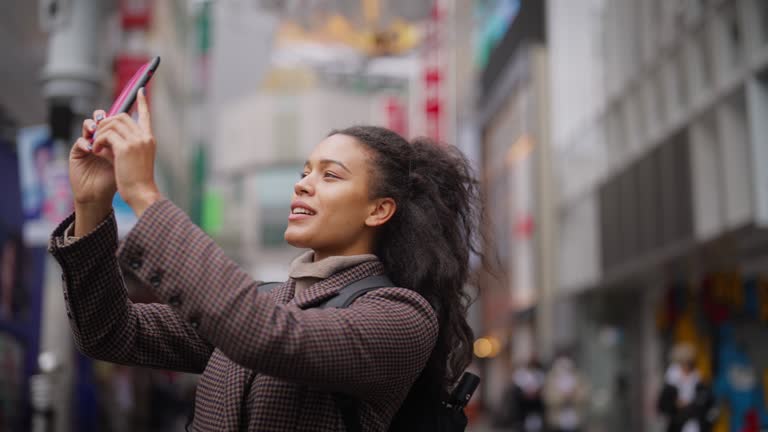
pixel 621 149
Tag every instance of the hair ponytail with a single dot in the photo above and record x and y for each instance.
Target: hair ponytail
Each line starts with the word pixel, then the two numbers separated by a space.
pixel 427 244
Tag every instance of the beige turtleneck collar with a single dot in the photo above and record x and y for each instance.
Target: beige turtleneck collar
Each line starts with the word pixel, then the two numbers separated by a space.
pixel 306 271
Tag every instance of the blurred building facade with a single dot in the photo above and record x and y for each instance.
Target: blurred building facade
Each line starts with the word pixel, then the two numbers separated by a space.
pixel 634 217
pixel 621 146
pixel 513 116
pixel 659 141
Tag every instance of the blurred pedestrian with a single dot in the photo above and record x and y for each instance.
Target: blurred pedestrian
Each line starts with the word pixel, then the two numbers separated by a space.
pixel 368 202
pixel 685 400
pixel 12 293
pixel 566 394
pixel 528 381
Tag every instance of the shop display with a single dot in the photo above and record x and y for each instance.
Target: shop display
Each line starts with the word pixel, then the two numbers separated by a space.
pixel 729 310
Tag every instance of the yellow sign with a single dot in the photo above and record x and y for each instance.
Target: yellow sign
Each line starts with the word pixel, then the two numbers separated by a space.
pixel 398 37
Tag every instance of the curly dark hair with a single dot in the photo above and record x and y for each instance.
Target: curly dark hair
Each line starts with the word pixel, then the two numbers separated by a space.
pixel 427 244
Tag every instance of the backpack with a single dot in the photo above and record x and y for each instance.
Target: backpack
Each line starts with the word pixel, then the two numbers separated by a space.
pixel 445 416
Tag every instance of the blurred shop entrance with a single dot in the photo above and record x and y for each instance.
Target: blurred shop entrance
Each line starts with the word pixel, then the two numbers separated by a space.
pixel 609 350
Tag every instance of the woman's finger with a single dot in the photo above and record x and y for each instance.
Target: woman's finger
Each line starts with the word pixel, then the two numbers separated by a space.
pixel 89 127
pixel 108 154
pixel 99 115
pixel 80 148
pixel 101 141
pixel 104 145
pixel 121 123
pixel 82 145
pixel 144 119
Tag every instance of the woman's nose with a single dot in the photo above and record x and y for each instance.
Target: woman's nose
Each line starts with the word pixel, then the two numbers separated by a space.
pixel 303 187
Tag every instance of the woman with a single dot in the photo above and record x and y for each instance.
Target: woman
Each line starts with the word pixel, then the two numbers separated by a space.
pixel 566 394
pixel 685 400
pixel 368 202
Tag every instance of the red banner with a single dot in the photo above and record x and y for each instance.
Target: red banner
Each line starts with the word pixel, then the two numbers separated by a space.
pixel 125 66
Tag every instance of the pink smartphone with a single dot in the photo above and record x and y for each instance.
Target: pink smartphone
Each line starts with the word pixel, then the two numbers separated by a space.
pixel 127 97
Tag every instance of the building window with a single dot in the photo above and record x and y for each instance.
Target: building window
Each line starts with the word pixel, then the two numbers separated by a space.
pixel 680 82
pixel 735 36
pixel 274 187
pixel 287 127
pixel 699 78
pixel 705 61
pixel 761 7
pixel 660 99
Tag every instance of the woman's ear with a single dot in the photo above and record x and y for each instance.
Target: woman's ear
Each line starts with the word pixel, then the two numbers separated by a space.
pixel 383 209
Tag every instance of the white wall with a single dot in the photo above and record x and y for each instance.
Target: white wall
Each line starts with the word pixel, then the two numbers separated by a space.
pixel 579 152
pixel 579 239
pixel 257 129
pixel 577 94
pixel 574 31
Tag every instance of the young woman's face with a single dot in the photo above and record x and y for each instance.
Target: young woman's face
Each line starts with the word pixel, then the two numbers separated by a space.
pixel 331 207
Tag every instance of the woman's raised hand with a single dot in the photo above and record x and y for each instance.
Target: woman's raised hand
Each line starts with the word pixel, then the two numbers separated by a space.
pixel 130 147
pixel 92 178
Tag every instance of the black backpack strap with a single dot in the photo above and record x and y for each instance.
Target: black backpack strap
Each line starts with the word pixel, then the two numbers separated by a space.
pixel 347 295
pixel 348 407
pixel 351 292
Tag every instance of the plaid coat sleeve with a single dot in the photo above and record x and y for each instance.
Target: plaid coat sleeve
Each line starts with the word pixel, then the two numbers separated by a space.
pixel 379 343
pixel 106 325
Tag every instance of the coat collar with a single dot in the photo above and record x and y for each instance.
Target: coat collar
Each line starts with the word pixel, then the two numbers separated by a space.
pixel 284 293
pixel 305 266
pixel 330 286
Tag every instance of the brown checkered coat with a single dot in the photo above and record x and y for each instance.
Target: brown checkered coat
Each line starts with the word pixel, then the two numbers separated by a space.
pixel 214 322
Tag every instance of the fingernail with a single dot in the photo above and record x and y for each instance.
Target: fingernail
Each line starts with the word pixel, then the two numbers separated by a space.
pixel 92 126
pixel 90 147
pixel 141 90
pixel 99 116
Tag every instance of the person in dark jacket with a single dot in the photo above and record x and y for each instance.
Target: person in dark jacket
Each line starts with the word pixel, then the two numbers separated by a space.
pixel 528 381
pixel 367 202
pixel 566 396
pixel 685 400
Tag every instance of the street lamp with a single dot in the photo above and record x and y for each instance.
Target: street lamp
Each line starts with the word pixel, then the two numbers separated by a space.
pixel 72 75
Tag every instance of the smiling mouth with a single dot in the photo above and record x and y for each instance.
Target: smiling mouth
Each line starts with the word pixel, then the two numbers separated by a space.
pixel 302 211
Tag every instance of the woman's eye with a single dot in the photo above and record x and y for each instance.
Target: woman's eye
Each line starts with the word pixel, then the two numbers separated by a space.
pixel 303 174
pixel 331 175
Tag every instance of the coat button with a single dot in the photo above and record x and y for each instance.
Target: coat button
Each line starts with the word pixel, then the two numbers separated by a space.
pixel 175 300
pixel 195 323
pixel 155 280
pixel 135 264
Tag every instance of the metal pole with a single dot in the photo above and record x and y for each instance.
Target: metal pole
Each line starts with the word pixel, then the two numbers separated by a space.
pixel 72 79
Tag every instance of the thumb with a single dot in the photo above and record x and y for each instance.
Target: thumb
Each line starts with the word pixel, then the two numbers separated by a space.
pixel 144 119
pixel 106 153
